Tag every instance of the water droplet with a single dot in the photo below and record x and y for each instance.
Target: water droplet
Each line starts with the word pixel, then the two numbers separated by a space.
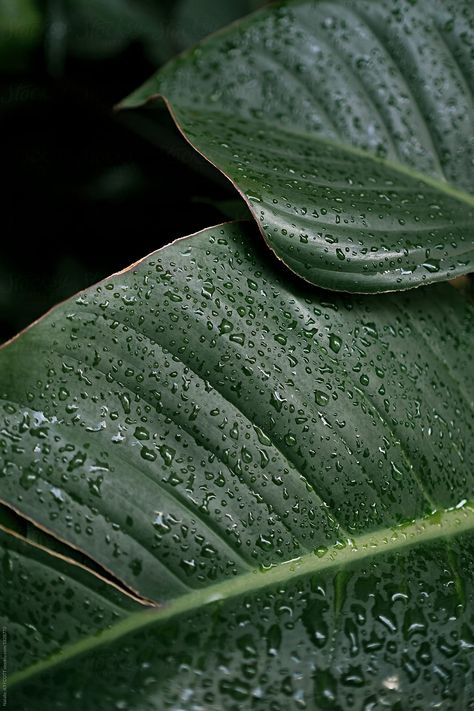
pixel 432 265
pixel 335 342
pixel 321 398
pixel 148 454
pixel 141 433
pixel 168 454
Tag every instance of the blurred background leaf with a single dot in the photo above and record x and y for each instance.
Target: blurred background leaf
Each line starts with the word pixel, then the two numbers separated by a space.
pixel 87 191
pixel 21 29
pixel 100 28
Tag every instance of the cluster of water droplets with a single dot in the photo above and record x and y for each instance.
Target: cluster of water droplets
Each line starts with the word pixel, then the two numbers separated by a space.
pixel 48 603
pixel 196 416
pixel 279 104
pixel 395 631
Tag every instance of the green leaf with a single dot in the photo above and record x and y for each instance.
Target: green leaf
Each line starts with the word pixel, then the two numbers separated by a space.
pixel 348 128
pixel 288 470
pixel 385 621
pixel 194 19
pixel 253 418
pixel 46 602
pixel 42 539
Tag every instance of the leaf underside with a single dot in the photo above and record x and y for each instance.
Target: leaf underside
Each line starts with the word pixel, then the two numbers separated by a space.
pixel 348 127
pixel 199 416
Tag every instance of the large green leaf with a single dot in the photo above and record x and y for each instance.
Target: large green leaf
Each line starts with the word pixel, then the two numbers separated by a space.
pixel 252 417
pixel 348 127
pixel 46 602
pixel 209 430
pixel 386 623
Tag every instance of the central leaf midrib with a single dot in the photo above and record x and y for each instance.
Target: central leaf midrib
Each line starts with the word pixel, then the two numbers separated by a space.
pixel 440 525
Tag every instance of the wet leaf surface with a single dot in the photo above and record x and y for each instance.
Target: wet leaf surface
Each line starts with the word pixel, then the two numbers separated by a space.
pixel 252 417
pixel 47 603
pixel 288 470
pixel 376 628
pixel 348 129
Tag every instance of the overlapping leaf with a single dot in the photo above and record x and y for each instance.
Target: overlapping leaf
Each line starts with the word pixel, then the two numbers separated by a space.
pixel 348 128
pixel 199 417
pixel 395 629
pixel 46 603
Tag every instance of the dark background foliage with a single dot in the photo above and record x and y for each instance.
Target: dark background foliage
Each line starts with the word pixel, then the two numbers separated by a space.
pixel 86 190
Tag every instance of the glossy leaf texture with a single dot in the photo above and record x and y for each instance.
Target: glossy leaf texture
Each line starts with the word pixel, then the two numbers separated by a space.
pixel 348 127
pixel 288 470
pixel 392 630
pixel 252 417
pixel 47 602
